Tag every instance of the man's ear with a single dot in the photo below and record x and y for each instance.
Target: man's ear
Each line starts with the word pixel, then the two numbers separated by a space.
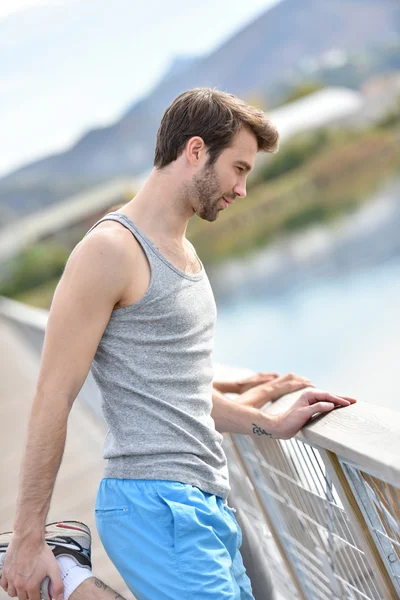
pixel 196 151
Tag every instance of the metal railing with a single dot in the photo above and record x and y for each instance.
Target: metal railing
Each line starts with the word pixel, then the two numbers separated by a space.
pixel 327 511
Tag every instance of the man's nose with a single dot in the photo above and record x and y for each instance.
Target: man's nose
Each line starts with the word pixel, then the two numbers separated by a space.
pixel 240 190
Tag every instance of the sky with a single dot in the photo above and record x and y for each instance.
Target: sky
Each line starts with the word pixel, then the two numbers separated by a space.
pixel 69 65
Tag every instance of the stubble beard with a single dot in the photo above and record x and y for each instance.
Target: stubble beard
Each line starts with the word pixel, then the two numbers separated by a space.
pixel 206 189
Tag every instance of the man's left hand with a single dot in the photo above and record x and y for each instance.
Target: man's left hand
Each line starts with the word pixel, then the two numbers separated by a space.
pixel 260 394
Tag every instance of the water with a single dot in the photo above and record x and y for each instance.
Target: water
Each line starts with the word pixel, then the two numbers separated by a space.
pixel 324 304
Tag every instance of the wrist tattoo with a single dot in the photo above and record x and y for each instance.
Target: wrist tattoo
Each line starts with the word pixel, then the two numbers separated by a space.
pixel 100 584
pixel 260 431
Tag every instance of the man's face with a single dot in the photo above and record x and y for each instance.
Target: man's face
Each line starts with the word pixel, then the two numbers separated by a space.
pixel 217 186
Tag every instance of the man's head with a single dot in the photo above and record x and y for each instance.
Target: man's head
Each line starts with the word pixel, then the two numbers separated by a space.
pixel 213 138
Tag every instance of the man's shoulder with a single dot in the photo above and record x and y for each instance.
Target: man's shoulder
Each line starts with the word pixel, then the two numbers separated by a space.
pixel 110 237
pixel 107 246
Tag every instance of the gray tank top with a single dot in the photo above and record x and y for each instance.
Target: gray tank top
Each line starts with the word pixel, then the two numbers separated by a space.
pixel 154 370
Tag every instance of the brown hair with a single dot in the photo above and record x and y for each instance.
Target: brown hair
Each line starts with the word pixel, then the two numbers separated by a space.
pixel 214 116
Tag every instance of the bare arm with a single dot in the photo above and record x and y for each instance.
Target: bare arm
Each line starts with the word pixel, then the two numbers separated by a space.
pixel 240 386
pixel 94 279
pixel 231 417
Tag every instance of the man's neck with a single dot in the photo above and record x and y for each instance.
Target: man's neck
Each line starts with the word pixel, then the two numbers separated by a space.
pixel 161 209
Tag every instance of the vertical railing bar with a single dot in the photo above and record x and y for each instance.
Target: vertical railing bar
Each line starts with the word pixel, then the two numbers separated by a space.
pixel 282 582
pixel 395 504
pixel 354 511
pixel 313 460
pixel 280 576
pixel 284 503
pixel 311 566
pixel 286 467
pixel 315 532
pixel 321 595
pixel 382 488
pixel 336 519
pixel 371 488
pixel 311 472
pixel 239 445
pixel 349 566
pixel 304 459
pixel 331 542
pixel 356 554
pixel 300 461
pixel 376 486
pixel 373 521
pixel 301 491
pixel 289 504
pixel 322 540
pixel 344 576
pixel 367 516
pixel 352 574
pixel 305 570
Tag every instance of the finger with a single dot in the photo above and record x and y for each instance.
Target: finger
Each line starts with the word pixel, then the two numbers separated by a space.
pixel 299 385
pixel 318 396
pixel 34 591
pixel 320 407
pixel 297 377
pixel 56 581
pixel 268 376
pixel 4 582
pixel 349 398
pixel 22 594
pixel 11 591
pixel 303 379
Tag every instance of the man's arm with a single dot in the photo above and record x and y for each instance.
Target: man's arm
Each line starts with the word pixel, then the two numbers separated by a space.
pixel 95 278
pixel 259 395
pixel 230 417
pixel 240 386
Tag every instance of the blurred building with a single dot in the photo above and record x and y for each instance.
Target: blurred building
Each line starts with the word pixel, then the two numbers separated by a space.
pixel 61 218
pixel 328 106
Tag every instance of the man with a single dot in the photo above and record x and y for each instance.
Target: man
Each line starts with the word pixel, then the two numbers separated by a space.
pixel 135 305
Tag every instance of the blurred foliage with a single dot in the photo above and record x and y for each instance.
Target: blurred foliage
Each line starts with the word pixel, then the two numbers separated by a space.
pixel 40 296
pixel 34 266
pixel 257 100
pixel 294 153
pixel 301 90
pixel 392 118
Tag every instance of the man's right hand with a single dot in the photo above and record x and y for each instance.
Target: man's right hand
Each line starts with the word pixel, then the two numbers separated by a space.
pixel 27 563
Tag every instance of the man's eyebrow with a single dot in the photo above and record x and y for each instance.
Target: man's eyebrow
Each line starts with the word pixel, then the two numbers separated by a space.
pixel 244 164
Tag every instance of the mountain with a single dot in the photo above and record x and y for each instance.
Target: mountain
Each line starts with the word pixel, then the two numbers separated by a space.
pixel 254 59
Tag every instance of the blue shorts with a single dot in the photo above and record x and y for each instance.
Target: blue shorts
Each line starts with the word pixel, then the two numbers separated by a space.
pixel 171 541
